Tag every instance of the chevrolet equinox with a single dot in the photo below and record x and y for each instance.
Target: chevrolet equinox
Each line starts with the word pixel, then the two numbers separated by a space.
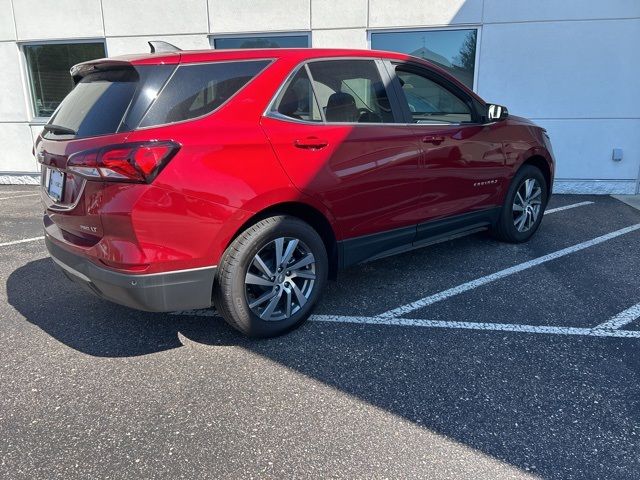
pixel 244 179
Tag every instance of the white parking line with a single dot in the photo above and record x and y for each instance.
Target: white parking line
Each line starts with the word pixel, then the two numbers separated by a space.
pixel 502 327
pixel 20 196
pixel 567 207
pixel 431 299
pixel 24 240
pixel 622 319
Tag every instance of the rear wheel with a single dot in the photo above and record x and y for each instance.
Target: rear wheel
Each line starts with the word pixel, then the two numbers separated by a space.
pixel 271 277
pixel 524 206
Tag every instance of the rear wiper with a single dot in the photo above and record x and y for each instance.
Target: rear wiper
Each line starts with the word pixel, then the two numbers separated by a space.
pixel 59 130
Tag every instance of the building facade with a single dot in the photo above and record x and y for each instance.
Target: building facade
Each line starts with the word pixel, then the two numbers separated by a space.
pixel 572 66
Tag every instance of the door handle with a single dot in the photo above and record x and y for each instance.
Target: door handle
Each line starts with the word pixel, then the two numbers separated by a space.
pixel 311 143
pixel 434 139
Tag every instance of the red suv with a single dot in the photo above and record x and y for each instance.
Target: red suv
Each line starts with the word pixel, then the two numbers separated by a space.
pixel 244 179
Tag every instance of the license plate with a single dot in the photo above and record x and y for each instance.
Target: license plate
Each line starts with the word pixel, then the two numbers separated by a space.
pixel 55 184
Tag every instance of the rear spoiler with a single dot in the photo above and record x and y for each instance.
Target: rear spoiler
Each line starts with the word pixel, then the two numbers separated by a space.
pixel 82 69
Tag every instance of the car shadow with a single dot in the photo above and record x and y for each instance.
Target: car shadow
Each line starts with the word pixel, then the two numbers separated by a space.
pixel 540 403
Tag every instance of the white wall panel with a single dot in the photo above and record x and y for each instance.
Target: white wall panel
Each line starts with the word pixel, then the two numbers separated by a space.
pixel 15 139
pixel 148 17
pixel 341 38
pixel 229 16
pixel 12 95
pixel 562 69
pixel 583 148
pixel 7 27
pixel 126 45
pixel 528 10
pixel 387 13
pixel 338 13
pixel 53 19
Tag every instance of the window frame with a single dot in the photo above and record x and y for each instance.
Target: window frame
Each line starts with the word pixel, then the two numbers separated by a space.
pixel 26 81
pixel 473 26
pixel 387 80
pixel 290 33
pixel 474 106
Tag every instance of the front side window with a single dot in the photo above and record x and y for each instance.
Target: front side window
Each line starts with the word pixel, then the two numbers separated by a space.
pixel 48 67
pixel 351 91
pixel 453 50
pixel 198 89
pixel 430 102
pixel 261 41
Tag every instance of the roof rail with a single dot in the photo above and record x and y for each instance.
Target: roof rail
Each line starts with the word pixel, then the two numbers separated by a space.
pixel 160 46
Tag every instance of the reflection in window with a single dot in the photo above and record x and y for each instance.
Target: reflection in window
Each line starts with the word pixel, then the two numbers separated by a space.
pixel 454 50
pixel 48 66
pixel 264 41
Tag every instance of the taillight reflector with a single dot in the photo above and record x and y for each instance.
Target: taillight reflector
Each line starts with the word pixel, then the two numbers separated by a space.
pixel 129 162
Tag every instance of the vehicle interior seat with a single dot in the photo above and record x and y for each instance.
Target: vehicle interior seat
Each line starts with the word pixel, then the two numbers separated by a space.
pixel 341 107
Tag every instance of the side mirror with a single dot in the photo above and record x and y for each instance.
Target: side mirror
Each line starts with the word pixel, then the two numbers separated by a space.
pixel 496 113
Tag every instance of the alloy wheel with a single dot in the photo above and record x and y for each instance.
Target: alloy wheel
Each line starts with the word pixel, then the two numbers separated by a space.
pixel 527 205
pixel 280 279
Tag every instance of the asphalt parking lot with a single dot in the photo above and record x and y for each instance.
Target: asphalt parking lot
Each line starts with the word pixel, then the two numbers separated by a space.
pixel 467 359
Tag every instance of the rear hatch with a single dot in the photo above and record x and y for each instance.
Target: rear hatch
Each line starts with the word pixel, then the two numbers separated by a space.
pixel 108 102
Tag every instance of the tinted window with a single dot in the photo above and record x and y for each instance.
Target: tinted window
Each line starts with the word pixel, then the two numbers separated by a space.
pixel 351 91
pixel 454 50
pixel 297 99
pixel 97 104
pixel 430 102
pixel 49 66
pixel 257 41
pixel 195 90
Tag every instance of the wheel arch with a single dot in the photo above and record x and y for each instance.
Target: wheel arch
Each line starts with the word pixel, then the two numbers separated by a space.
pixel 542 164
pixel 308 214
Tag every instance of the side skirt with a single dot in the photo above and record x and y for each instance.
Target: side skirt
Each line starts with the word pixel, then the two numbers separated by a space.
pixel 378 245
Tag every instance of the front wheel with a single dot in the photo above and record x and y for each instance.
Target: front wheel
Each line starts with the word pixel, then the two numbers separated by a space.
pixel 271 277
pixel 524 206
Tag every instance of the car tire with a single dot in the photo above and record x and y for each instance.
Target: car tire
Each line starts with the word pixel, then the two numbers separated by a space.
pixel 527 196
pixel 271 277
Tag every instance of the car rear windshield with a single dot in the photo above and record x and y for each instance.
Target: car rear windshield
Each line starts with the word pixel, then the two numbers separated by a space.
pixel 197 89
pixel 107 101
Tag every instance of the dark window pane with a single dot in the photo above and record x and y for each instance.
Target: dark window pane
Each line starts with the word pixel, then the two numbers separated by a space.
pixel 97 105
pixel 297 99
pixel 49 75
pixel 195 90
pixel 351 91
pixel 454 50
pixel 430 102
pixel 283 41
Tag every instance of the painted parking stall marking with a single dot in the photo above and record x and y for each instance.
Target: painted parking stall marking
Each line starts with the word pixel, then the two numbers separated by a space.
pixel 24 240
pixel 20 196
pixel 465 287
pixel 622 319
pixel 567 207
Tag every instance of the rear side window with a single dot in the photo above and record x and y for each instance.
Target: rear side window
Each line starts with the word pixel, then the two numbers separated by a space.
pixel 198 89
pixel 351 91
pixel 297 100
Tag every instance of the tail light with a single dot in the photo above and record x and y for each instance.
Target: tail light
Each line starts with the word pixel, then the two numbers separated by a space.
pixel 129 162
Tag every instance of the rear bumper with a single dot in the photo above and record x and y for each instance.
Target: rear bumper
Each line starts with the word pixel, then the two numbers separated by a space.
pixel 157 292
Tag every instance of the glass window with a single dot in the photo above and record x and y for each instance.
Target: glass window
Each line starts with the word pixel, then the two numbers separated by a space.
pixel 297 99
pixel 430 102
pixel 351 91
pixel 49 76
pixel 454 50
pixel 195 90
pixel 262 41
